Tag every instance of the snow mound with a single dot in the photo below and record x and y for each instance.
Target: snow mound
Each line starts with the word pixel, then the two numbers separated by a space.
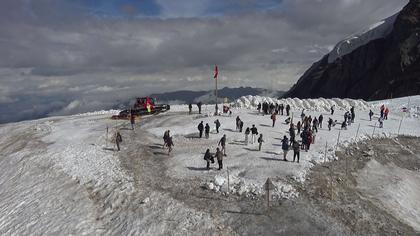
pixel 320 104
pixel 375 31
pixel 101 112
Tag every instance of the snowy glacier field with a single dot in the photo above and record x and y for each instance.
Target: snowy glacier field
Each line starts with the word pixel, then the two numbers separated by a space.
pixel 62 175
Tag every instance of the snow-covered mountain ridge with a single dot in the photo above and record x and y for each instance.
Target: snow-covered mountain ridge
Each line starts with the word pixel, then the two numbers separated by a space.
pixel 378 30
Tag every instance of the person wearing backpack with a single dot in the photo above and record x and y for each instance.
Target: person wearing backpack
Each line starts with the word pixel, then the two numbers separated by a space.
pixel 285 147
pixel 208 158
pixel 260 141
pixel 370 114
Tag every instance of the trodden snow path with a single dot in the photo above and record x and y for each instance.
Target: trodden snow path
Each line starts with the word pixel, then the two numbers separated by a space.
pixel 54 170
pixel 249 168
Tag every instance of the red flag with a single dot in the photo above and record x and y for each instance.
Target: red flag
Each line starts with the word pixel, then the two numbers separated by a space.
pixel 216 72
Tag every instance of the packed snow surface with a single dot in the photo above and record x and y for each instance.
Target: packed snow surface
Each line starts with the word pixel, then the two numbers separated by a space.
pixel 54 169
pixel 375 31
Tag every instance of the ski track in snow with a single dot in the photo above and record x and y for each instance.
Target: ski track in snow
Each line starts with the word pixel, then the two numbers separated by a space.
pixel 48 163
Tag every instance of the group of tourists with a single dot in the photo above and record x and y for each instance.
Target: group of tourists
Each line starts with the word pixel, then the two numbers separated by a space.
pixel 270 108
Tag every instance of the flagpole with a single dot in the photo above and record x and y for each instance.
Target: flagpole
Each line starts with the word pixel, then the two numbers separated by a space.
pixel 216 78
pixel 216 99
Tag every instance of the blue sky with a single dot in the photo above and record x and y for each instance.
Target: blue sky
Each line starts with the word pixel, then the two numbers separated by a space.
pixel 168 8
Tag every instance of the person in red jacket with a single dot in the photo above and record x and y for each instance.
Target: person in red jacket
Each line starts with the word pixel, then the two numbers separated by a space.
pixel 273 118
pixel 309 140
pixel 386 113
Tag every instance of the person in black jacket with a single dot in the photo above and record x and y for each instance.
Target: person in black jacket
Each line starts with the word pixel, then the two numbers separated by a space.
pixel 199 107
pixel 118 140
pixel 320 119
pixel 217 123
pixel 296 151
pixel 285 147
pixel 207 130
pixel 201 128
pixel 254 133
pixel 189 108
pixel 208 158
pixel 287 109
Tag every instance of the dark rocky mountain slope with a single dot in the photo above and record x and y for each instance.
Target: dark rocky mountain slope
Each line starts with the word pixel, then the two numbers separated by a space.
pixel 381 68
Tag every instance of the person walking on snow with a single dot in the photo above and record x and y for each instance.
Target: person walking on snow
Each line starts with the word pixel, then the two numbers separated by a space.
pixel 370 114
pixel 217 123
pixel 241 126
pixel 296 151
pixel 320 119
pixel 313 136
pixel 381 122
pixel 208 158
pixel 200 129
pixel 132 120
pixel 309 140
pixel 285 147
pixel 315 125
pixel 219 157
pixel 254 133
pixel 237 122
pixel 189 108
pixel 298 126
pixel 353 115
pixel 207 130
pixel 170 144
pixel 165 138
pixel 281 109
pixel 222 143
pixel 118 140
pixel 382 110
pixel 330 123
pixel 292 133
pixel 386 113
pixel 247 132
pixel 199 107
pixel 273 118
pixel 344 125
pixel 260 141
pixel 287 110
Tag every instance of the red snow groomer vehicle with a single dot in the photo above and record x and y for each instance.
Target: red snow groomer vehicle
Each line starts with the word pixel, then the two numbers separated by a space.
pixel 143 106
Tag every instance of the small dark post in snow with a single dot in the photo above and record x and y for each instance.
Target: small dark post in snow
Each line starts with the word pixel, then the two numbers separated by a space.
pixel 338 139
pixel 331 180
pixel 268 186
pixel 347 156
pixel 357 132
pixel 228 180
pixel 374 127
pixel 399 127
pixel 325 156
pixel 106 140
